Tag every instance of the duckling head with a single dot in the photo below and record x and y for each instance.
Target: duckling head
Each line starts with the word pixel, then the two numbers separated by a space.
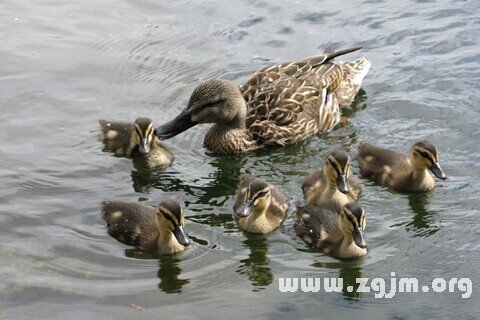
pixel 353 220
pixel 215 101
pixel 143 134
pixel 424 156
pixel 170 219
pixel 259 195
pixel 337 167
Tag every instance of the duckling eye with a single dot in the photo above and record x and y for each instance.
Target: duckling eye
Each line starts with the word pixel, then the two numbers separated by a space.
pixel 261 194
pixel 334 167
pixel 425 155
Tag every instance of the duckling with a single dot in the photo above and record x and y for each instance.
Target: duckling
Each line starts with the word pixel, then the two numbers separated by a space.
pixel 155 230
pixel 279 105
pixel 136 141
pixel 332 186
pixel 339 235
pixel 260 207
pixel 398 171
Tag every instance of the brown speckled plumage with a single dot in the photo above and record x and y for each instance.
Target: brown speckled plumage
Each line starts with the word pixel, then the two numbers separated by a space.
pixel 277 106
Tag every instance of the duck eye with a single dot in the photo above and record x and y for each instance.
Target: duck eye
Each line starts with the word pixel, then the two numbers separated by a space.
pixel 261 194
pixel 426 156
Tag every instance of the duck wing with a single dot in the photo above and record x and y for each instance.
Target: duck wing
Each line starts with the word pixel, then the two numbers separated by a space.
pixel 290 101
pixel 131 223
pixel 116 137
pixel 377 163
pixel 317 227
pixel 313 185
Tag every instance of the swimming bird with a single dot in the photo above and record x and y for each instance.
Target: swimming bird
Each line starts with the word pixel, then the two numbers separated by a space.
pixel 407 173
pixel 279 105
pixel 260 207
pixel 334 185
pixel 157 230
pixel 339 235
pixel 136 141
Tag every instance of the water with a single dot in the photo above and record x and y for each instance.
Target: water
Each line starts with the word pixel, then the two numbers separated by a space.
pixel 64 65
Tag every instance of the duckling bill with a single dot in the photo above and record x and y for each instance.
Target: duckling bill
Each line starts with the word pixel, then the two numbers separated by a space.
pixel 157 230
pixel 339 235
pixel 279 105
pixel 401 172
pixel 333 185
pixel 260 207
pixel 136 141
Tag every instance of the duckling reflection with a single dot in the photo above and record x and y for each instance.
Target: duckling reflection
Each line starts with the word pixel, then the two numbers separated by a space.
pixel 222 179
pixel 256 265
pixel 422 222
pixel 348 270
pixel 144 181
pixel 169 273
pixel 224 220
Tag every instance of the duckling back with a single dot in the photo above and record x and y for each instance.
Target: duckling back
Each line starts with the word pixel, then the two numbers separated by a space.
pixel 131 224
pixel 116 137
pixel 378 163
pixel 318 227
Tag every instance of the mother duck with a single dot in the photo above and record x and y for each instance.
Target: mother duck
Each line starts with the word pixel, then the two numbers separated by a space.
pixel 279 105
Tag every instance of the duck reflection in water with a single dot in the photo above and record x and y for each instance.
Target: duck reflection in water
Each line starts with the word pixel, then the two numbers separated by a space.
pixel 256 265
pixel 348 270
pixel 215 189
pixel 422 224
pixel 168 273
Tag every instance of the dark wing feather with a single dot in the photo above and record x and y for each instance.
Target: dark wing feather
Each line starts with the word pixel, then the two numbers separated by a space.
pixel 131 223
pixel 355 186
pixel 279 206
pixel 309 223
pixel 375 161
pixel 313 184
pixel 116 137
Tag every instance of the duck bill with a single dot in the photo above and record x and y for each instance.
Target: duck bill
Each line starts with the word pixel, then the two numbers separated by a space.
pixel 181 236
pixel 144 146
pixel 359 237
pixel 342 183
pixel 437 171
pixel 170 129
pixel 246 209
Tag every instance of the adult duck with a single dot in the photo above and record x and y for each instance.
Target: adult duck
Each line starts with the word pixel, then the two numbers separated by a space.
pixel 279 105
